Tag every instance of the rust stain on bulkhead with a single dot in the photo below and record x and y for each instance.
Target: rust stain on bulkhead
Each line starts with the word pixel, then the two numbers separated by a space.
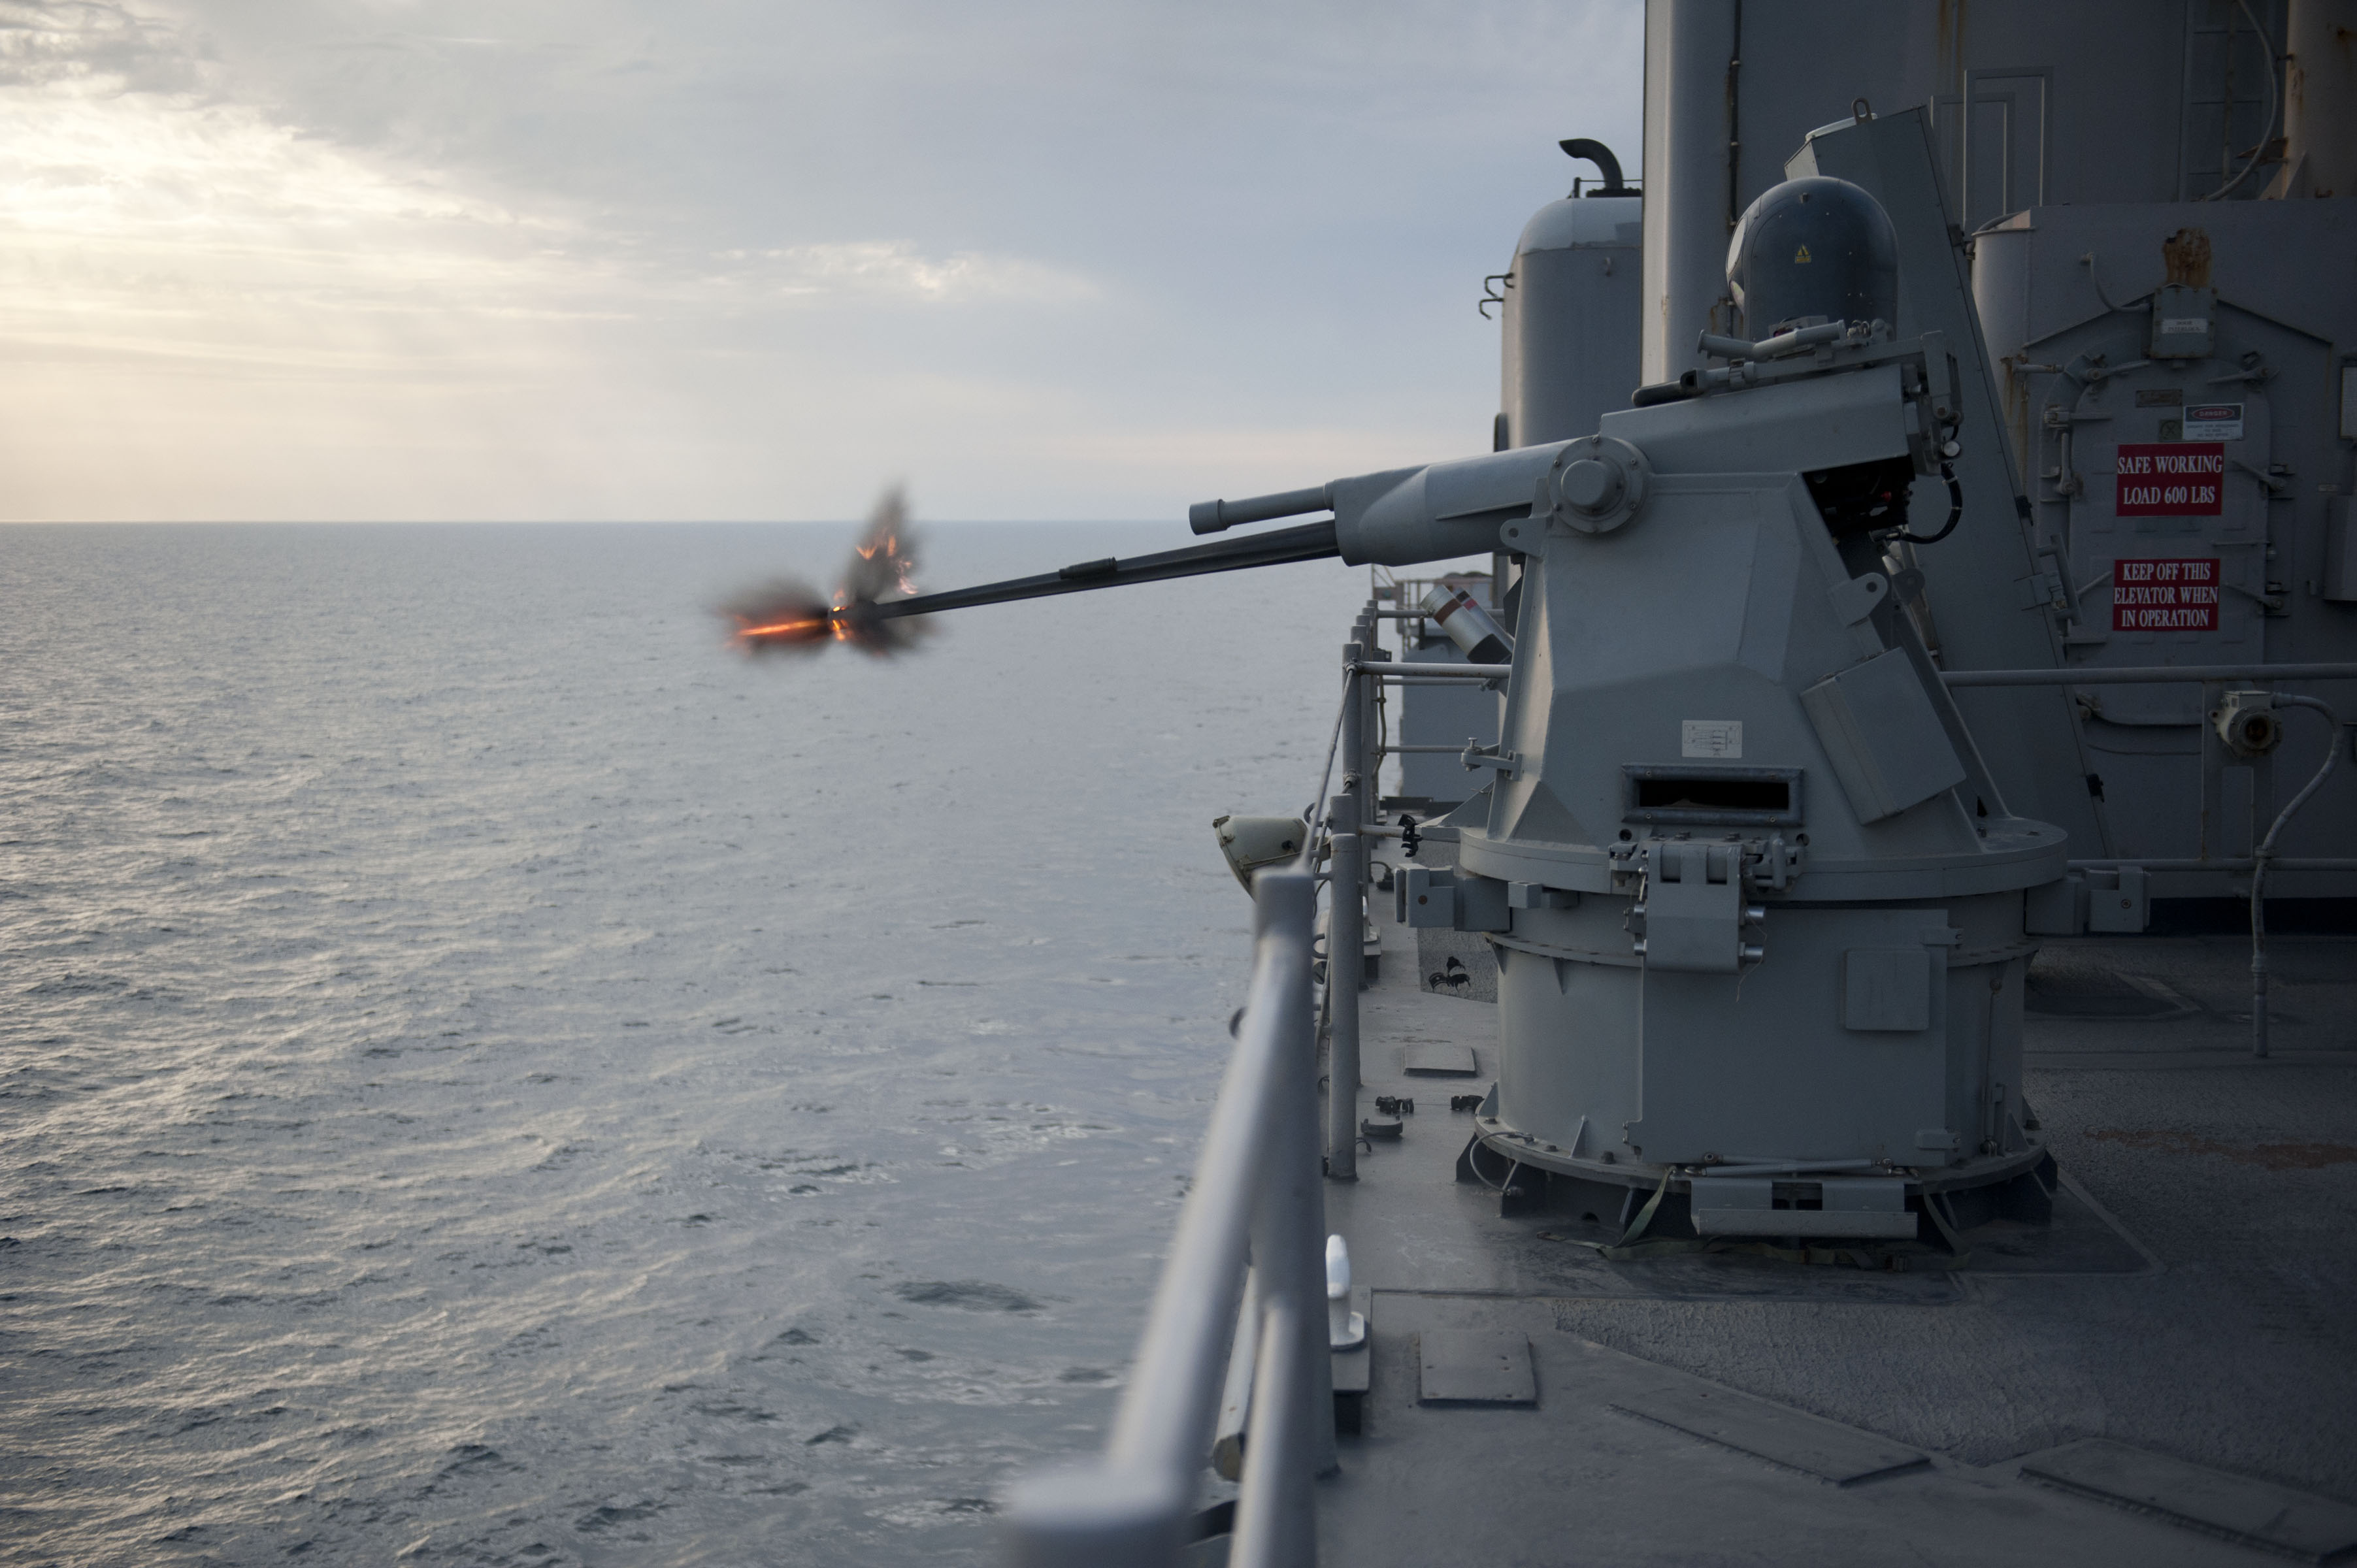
pixel 2186 255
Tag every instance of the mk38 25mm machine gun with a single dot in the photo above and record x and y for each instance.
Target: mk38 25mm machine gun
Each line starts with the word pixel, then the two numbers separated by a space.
pixel 1756 903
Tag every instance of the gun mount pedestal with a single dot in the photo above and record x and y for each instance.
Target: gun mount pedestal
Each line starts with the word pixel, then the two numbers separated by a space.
pixel 1757 906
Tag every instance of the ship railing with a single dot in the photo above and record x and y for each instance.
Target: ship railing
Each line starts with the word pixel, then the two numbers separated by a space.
pixel 1257 1198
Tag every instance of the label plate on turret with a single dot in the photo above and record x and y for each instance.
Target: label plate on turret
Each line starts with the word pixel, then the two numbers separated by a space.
pixel 1710 737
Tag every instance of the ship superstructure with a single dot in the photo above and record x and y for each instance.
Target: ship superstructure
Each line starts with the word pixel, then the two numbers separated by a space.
pixel 1788 1102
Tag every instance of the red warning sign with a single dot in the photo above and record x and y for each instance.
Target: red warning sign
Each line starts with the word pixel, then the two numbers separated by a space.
pixel 2171 479
pixel 2165 596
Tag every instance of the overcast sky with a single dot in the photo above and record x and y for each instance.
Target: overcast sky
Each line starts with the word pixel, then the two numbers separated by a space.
pixel 458 259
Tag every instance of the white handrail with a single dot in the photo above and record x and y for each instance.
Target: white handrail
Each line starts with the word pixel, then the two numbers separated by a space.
pixel 1256 1187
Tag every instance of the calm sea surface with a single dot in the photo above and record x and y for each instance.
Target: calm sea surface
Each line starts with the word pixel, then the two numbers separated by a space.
pixel 489 1076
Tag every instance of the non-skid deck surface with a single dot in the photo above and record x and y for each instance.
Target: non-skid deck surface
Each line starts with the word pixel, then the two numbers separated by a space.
pixel 2166 1376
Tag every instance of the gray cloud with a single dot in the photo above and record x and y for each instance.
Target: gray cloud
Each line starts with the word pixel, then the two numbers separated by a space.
pixel 1042 259
pixel 95 46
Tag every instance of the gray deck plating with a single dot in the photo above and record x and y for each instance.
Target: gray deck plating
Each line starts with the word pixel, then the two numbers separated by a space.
pixel 1825 1449
pixel 2235 1508
pixel 2168 1376
pixel 1454 1368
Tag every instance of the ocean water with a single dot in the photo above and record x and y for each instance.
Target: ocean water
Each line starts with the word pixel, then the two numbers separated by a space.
pixel 488 1076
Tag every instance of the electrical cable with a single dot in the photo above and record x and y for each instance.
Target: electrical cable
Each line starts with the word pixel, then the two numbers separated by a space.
pixel 1473 1152
pixel 2267 126
pixel 1956 512
pixel 2088 262
pixel 2260 856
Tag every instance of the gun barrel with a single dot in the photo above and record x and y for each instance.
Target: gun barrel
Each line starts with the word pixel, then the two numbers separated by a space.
pixel 1214 517
pixel 1311 542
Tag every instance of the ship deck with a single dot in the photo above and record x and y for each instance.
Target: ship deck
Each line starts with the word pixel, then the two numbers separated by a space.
pixel 2166 1375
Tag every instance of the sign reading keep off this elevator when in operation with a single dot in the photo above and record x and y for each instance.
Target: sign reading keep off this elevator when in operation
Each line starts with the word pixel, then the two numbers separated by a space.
pixel 2171 479
pixel 2165 596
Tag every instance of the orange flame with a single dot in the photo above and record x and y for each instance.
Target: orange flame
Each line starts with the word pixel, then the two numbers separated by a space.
pixel 791 616
pixel 783 617
pixel 799 628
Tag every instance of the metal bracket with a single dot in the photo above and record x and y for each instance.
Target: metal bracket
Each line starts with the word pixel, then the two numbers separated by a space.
pixel 1692 905
pixel 2275 487
pixel 1773 864
pixel 2269 604
pixel 2045 590
pixel 1476 757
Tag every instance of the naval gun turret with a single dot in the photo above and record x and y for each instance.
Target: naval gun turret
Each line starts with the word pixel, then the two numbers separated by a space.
pixel 1756 903
pixel 1763 920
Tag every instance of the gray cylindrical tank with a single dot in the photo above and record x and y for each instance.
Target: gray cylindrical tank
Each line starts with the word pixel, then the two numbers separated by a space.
pixel 2319 101
pixel 1572 334
pixel 2001 263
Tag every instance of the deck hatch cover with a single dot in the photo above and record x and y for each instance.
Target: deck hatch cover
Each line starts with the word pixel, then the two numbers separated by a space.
pixel 1440 1059
pixel 1475 1369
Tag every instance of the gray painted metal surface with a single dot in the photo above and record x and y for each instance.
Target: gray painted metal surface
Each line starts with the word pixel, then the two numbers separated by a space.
pixel 1758 872
pixel 2163 1363
pixel 1712 668
pixel 1710 705
pixel 2030 104
pixel 2238 1508
pixel 2044 154
pixel 1430 731
pixel 1446 718
pixel 1474 1369
pixel 1345 912
pixel 1990 599
pixel 1691 202
pixel 1569 320
pixel 2228 566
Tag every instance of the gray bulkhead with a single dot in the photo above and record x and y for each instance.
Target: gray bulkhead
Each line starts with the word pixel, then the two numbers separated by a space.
pixel 2090 390
pixel 1715 702
pixel 2035 160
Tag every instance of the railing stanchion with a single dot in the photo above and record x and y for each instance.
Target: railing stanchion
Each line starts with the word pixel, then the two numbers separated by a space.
pixel 1345 963
pixel 1370 697
pixel 1345 931
pixel 1277 1519
pixel 1353 746
pixel 1289 1253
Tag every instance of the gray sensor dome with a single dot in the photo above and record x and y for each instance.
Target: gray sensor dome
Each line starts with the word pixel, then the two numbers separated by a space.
pixel 1813 249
